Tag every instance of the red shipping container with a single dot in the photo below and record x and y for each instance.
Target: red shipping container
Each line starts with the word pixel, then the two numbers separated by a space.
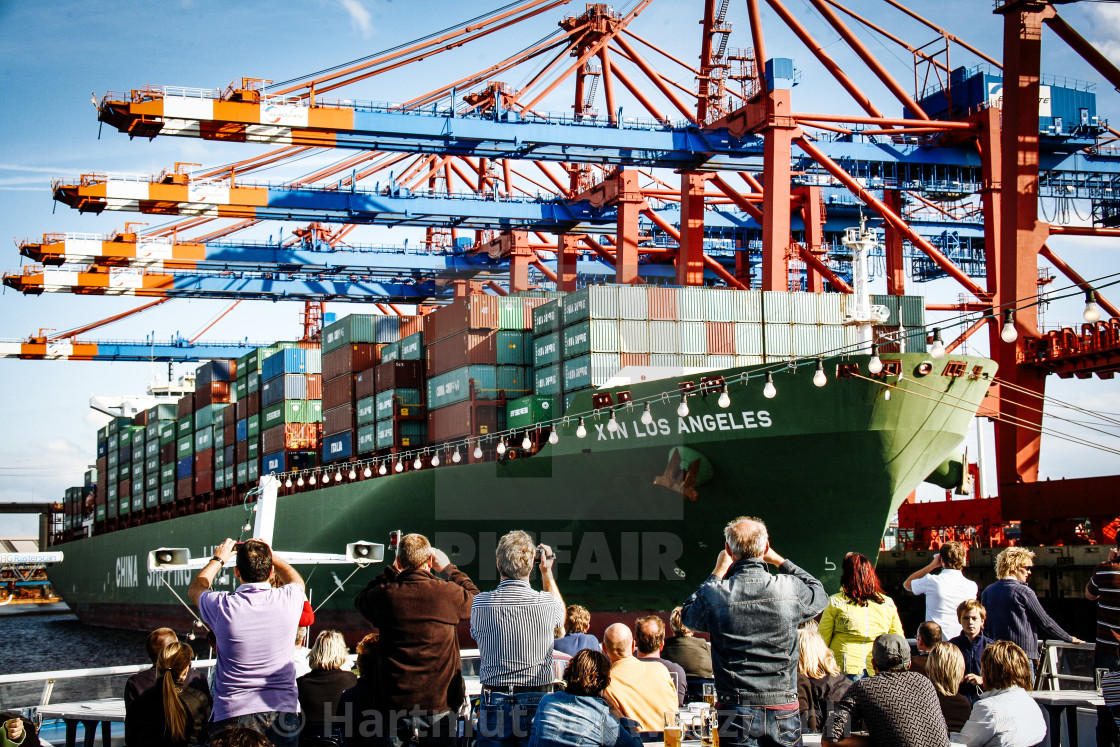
pixel 184 488
pixel 454 421
pixel 241 409
pixel 167 453
pixel 241 451
pixel 230 434
pixel 634 359
pixel 476 311
pixel 352 358
pixel 216 392
pixel 185 405
pixel 529 304
pixel 124 488
pixel 721 338
pixel 339 419
pixel 662 304
pixel 291 436
pixel 365 383
pixel 140 418
pixel 410 325
pixel 338 392
pixel 253 404
pixel 314 386
pixel 204 460
pixel 203 483
pixel 464 349
pixel 400 375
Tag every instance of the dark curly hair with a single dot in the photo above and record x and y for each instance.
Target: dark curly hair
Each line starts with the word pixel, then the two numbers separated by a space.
pixel 239 736
pixel 588 673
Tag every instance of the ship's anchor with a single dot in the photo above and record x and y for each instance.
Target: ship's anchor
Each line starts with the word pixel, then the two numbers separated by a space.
pixel 686 469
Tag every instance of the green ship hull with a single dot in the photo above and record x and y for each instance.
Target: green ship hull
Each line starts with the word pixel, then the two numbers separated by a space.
pixel 825 467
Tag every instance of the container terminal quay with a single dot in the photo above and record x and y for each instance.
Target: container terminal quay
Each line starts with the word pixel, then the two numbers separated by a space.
pixel 647 286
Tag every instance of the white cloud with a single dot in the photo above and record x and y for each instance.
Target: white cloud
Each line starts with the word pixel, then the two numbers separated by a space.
pixel 1106 28
pixel 359 15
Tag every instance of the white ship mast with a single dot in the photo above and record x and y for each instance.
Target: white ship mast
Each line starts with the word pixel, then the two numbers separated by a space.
pixel 861 312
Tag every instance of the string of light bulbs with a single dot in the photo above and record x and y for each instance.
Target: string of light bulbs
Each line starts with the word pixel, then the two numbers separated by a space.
pixel 396 463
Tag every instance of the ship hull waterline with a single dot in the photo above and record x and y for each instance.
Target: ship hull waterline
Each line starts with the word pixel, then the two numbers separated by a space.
pixel 824 467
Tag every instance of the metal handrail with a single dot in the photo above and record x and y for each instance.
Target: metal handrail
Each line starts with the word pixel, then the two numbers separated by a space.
pixel 1048 671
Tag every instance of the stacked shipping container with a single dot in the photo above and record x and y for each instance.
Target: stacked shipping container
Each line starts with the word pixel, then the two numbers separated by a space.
pixel 291 394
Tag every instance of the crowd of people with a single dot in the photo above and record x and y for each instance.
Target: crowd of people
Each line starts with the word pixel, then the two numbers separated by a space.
pixel 783 657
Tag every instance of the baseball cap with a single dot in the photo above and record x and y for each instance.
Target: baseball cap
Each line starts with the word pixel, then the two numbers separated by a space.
pixel 890 652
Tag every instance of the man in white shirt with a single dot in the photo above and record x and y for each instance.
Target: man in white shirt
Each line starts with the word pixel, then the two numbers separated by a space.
pixel 945 590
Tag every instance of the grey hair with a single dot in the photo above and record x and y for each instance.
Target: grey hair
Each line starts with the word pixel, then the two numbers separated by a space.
pixel 746 542
pixel 515 553
pixel 329 651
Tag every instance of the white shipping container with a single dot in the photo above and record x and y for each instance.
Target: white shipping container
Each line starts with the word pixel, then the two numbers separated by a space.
pixel 749 360
pixel 663 337
pixel 692 338
pixel 747 306
pixel 833 339
pixel 719 305
pixel 633 336
pixel 806 340
pixel 748 339
pixel 804 307
pixel 778 340
pixel 691 304
pixel 776 307
pixel 830 307
pixel 721 361
pixel 633 302
pixel 664 359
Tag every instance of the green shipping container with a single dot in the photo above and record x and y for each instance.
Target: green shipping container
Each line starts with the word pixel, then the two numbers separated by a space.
pixel 151 465
pixel 151 498
pixel 594 336
pixel 546 349
pixel 254 450
pixel 514 379
pixel 357 328
pixel 242 473
pixel 514 348
pixel 252 384
pixel 391 352
pixel 219 479
pixel 185 447
pixel 203 439
pixel 412 347
pixel 367 438
pixel 167 474
pixel 219 458
pixel 223 412
pixel 589 370
pixel 254 467
pixel 241 389
pixel 124 472
pixel 204 416
pixel 137 475
pixel 138 438
pixel 184 426
pixel 151 481
pixel 113 459
pixel 407 401
pixel 546 317
pixel 253 426
pixel 511 313
pixel 525 411
pixel 100 513
pixel 548 380
pixel 367 411
pixel 111 501
pixel 219 436
pixel 413 433
pixel 167 433
pixel 228 472
pixel 151 448
pixel 166 493
pixel 454 386
pixel 383 434
pixel 291 411
pixel 114 442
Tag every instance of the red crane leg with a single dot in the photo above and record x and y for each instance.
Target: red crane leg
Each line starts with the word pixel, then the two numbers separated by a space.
pixel 1021 238
pixel 690 256
pixel 1090 53
pixel 630 206
pixel 520 257
pixel 567 254
pixel 892 246
pixel 812 213
pixel 776 191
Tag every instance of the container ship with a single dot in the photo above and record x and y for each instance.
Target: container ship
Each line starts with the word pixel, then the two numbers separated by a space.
pixel 622 425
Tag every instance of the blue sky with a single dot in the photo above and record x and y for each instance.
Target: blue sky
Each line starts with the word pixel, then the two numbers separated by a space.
pixel 57 54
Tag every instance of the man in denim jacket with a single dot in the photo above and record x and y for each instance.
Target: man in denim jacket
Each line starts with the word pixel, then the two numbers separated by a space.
pixel 752 617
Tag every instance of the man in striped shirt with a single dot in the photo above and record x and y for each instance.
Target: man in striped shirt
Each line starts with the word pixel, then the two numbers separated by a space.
pixel 514 627
pixel 1104 589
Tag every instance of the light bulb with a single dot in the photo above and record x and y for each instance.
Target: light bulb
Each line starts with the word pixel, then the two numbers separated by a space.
pixel 724 400
pixel 455 457
pixel 1092 312
pixel 554 437
pixel 501 447
pixel 367 472
pixel 383 470
pixel 875 365
pixel 299 481
pixel 353 475
pixel 399 467
pixel 1009 333
pixel 338 476
pixel 526 443
pixel 937 349
pixel 819 378
pixel 682 408
pixel 288 482
pixel 581 431
pixel 647 416
pixel 247 528
pixel 769 391
pixel 417 464
pixel 435 460
pixel 311 479
pixel 191 636
pixel 612 424
pixel 886 394
pixel 478 451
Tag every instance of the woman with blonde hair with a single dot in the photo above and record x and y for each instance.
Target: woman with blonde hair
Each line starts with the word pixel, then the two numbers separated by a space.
pixel 945 669
pixel 820 684
pixel 322 687
pixel 1014 612
pixel 1006 715
pixel 170 714
pixel 855 616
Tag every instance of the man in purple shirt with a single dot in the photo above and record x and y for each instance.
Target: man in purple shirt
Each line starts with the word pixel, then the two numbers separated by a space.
pixel 255 679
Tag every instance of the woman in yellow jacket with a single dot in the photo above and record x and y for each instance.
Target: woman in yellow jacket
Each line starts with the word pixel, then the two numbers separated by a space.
pixel 856 616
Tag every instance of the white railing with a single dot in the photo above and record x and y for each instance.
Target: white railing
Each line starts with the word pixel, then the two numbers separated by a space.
pixel 186 92
pixel 50 679
pixel 1050 675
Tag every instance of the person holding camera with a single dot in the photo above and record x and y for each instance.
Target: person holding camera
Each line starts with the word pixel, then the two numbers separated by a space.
pixel 253 627
pixel 1104 589
pixel 514 627
pixel 416 605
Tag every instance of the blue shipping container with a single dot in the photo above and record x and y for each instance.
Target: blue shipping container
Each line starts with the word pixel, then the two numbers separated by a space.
pixel 242 430
pixel 338 446
pixel 184 467
pixel 292 360
pixel 272 463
